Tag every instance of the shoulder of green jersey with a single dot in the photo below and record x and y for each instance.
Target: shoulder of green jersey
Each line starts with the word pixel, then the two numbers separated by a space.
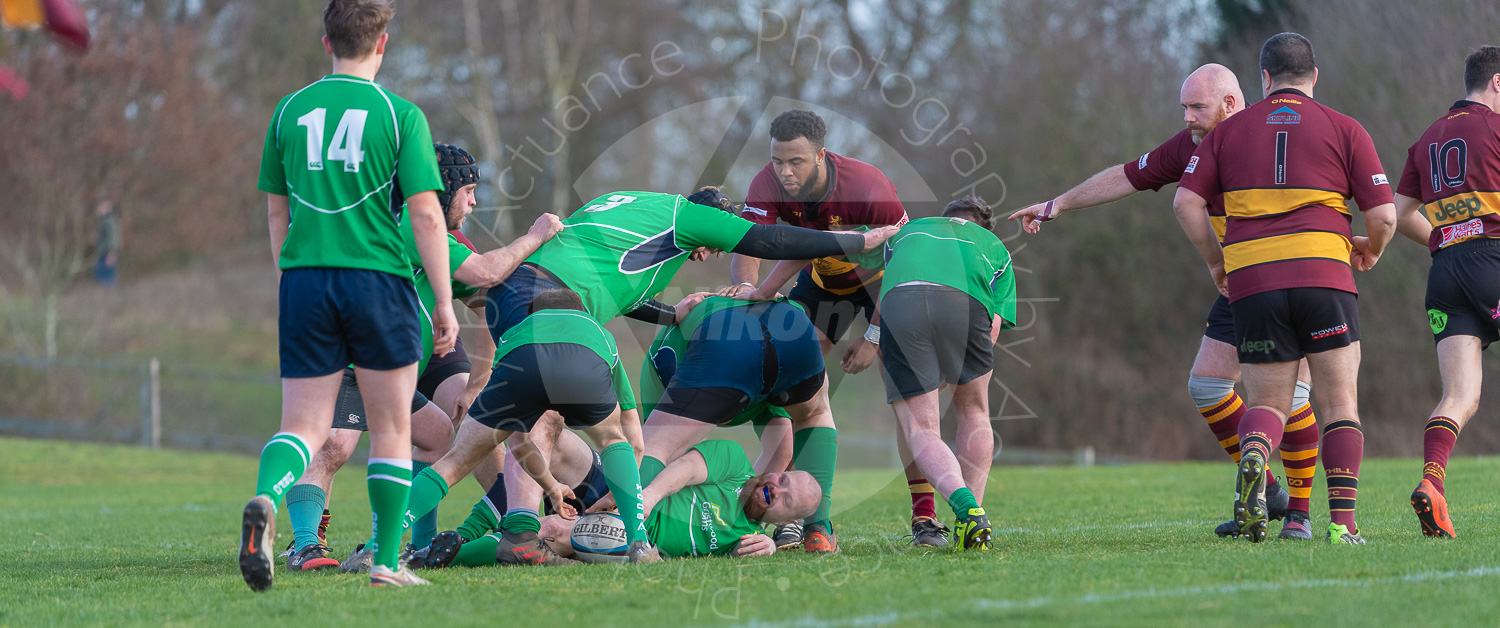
pixel 395 121
pixel 286 103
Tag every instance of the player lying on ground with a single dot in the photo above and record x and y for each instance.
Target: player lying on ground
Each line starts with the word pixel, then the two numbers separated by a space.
pixel 1286 167
pixel 343 147
pixel 616 253
pixel 948 290
pixel 807 185
pixel 432 428
pixel 707 502
pixel 1453 171
pixel 1210 95
pixel 731 360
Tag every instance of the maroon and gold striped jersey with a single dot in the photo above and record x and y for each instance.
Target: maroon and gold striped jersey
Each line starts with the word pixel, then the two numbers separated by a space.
pixel 1163 165
pixel 1287 167
pixel 1454 169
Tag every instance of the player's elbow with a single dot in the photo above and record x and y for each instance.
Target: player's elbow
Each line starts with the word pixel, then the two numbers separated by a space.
pixel 1381 219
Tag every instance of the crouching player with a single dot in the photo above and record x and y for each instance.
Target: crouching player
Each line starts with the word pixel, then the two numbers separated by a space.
pixel 739 358
pixel 707 502
pixel 948 286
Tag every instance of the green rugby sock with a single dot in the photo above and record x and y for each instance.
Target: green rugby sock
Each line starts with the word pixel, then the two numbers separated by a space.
pixel 282 461
pixel 484 518
pixel 650 468
pixel 427 489
pixel 816 451
pixel 304 504
pixel 479 552
pixel 624 480
pixel 961 501
pixel 389 480
pixel 426 525
pixel 521 520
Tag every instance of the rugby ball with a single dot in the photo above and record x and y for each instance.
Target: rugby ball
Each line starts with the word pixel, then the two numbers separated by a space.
pixel 600 538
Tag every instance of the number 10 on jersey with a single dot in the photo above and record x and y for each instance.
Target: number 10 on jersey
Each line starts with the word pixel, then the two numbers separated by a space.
pixel 347 138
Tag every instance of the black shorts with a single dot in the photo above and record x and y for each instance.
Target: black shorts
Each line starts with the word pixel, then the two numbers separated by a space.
pixel 441 368
pixel 590 490
pixel 509 303
pixel 1286 325
pixel 1220 324
pixel 831 313
pixel 930 335
pixel 535 378
pixel 333 317
pixel 745 355
pixel 349 410
pixel 1463 291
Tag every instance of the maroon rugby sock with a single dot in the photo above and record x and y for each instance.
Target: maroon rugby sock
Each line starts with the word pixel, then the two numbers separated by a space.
pixel 1260 431
pixel 1437 444
pixel 1343 448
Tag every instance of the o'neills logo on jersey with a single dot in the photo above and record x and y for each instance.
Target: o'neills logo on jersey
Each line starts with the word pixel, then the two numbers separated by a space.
pixel 1331 331
pixel 1465 229
pixel 1284 115
pixel 1141 164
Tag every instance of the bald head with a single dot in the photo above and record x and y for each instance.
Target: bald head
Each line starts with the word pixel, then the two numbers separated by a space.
pixel 1209 95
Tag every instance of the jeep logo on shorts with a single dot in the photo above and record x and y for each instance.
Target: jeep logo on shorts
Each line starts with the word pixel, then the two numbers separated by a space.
pixel 1456 208
pixel 1258 346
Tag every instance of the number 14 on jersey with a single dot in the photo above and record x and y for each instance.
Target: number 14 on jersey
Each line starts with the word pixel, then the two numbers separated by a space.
pixel 347 138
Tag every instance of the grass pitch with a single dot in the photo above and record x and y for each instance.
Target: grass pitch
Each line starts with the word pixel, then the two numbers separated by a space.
pixel 118 535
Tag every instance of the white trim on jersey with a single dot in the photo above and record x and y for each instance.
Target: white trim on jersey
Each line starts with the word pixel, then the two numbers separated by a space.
pixel 341 209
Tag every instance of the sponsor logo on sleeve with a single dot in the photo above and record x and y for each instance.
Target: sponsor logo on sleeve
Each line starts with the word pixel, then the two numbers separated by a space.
pixel 1141 164
pixel 1379 179
pixel 755 210
pixel 1468 228
pixel 1284 115
pixel 1192 165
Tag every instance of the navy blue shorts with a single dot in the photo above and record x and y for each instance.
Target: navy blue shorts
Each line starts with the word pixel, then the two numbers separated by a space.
pixel 532 379
pixel 333 317
pixel 833 314
pixel 1220 325
pixel 509 303
pixel 763 352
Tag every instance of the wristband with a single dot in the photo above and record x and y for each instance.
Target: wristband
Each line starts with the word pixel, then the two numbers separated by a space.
pixel 745 283
pixel 1047 212
pixel 872 334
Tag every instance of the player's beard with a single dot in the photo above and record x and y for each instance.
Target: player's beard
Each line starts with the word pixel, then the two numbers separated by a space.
pixel 754 508
pixel 1198 131
pixel 805 191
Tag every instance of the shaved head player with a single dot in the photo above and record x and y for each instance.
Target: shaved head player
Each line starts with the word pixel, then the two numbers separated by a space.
pixel 1209 96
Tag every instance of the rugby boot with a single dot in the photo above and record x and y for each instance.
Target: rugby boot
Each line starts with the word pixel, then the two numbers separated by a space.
pixel 257 532
pixel 1341 534
pixel 819 539
pixel 291 546
pixel 642 552
pixel 360 561
pixel 1296 526
pixel 311 558
pixel 928 532
pixel 1228 529
pixel 1250 497
pixel 787 535
pixel 383 576
pixel 438 554
pixel 1276 500
pixel 972 530
pixel 1432 510
pixel 525 548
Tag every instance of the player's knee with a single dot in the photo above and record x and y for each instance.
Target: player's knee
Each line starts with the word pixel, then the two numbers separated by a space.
pixel 1301 396
pixel 1208 392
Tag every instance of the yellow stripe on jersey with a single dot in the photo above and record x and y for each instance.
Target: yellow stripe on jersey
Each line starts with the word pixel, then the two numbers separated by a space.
pixel 1219 223
pixel 1461 207
pixel 1269 202
pixel 1290 246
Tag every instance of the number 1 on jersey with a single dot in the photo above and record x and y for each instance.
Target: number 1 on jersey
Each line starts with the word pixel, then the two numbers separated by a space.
pixel 347 138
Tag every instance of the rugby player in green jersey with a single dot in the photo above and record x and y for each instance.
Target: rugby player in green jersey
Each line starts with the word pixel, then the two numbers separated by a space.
pixel 432 429
pixel 707 502
pixel 948 289
pixel 616 253
pixel 344 161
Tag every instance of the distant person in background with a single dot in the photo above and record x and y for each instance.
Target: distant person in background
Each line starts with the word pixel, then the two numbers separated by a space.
pixel 107 243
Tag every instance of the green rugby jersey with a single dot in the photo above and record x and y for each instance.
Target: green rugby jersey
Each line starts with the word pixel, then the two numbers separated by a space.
pixel 571 327
pixel 667 351
pixel 347 153
pixel 457 253
pixel 706 519
pixel 951 252
pixel 623 248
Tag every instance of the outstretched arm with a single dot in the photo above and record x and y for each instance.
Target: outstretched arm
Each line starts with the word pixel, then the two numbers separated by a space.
pixel 1108 186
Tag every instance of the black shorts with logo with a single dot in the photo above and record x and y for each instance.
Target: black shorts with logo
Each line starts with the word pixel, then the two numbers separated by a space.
pixel 349 410
pixel 1463 291
pixel 1220 324
pixel 831 313
pixel 1286 325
